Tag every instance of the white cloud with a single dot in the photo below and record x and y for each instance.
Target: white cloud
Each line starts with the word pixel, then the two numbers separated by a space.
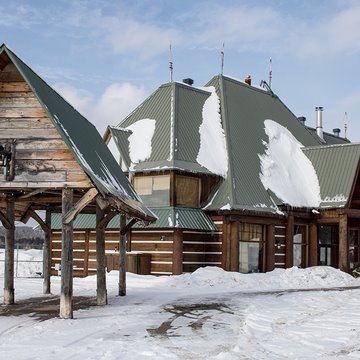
pixel 116 102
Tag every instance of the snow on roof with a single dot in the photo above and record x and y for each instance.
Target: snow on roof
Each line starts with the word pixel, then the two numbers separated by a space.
pixel 212 153
pixel 286 171
pixel 140 139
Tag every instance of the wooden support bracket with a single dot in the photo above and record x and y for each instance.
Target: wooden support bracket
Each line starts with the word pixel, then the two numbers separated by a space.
pixel 45 227
pixel 125 228
pixel 105 220
pixel 6 223
pixel 75 210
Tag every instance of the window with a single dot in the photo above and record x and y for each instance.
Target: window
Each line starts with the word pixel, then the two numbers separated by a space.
pixel 251 248
pixel 153 190
pixel 328 245
pixel 300 246
pixel 354 250
pixel 187 191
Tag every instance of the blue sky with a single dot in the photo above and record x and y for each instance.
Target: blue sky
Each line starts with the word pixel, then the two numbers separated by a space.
pixel 105 57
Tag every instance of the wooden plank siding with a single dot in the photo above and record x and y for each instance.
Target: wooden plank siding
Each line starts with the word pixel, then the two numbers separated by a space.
pixel 199 249
pixel 42 159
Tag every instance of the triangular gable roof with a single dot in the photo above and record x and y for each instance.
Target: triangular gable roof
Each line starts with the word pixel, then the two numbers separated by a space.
pixel 84 141
pixel 336 167
pixel 244 109
pixel 177 111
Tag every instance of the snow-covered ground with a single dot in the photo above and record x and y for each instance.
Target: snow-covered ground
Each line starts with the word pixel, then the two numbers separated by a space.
pixel 210 314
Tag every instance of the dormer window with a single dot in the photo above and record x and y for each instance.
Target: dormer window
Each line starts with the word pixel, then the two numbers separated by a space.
pixel 153 190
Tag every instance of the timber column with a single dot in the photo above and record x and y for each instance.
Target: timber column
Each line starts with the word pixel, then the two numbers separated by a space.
pixel 122 256
pixel 270 247
pixel 66 296
pixel 47 254
pixel 178 252
pixel 343 244
pixel 289 250
pixel 313 245
pixel 9 254
pixel 101 293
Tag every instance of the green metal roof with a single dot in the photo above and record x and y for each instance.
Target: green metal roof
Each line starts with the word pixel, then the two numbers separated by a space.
pixel 244 109
pixel 330 139
pixel 177 111
pixel 169 217
pixel 336 167
pixel 84 142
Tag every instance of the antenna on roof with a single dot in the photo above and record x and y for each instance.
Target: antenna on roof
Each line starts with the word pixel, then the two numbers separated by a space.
pixel 171 64
pixel 222 58
pixel 270 72
pixel 345 125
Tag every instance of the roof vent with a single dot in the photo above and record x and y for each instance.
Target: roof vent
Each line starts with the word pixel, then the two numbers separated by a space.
pixel 319 127
pixel 336 132
pixel 302 119
pixel 188 81
pixel 248 79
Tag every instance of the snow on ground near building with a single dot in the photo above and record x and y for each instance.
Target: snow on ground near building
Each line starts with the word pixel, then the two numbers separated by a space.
pixel 209 314
pixel 286 170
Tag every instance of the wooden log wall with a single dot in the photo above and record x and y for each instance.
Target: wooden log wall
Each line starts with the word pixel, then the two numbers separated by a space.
pixel 42 157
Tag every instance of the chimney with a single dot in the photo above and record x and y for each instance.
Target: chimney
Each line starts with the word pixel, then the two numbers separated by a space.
pixel 319 127
pixel 302 119
pixel 188 81
pixel 248 79
pixel 336 132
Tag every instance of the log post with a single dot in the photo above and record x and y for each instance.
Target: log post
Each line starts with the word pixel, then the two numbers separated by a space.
pixel 66 296
pixel 47 255
pixel 270 247
pixel 101 293
pixel 289 249
pixel 9 254
pixel 234 246
pixel 313 245
pixel 122 256
pixel 178 252
pixel 343 244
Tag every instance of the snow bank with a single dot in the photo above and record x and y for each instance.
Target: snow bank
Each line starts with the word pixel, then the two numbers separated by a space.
pixel 140 140
pixel 285 169
pixel 278 279
pixel 212 153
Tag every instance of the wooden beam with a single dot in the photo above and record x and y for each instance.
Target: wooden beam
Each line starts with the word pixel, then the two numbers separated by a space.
pixel 103 204
pixel 66 296
pixel 178 254
pixel 85 200
pixel 289 241
pixel 313 245
pixel 9 254
pixel 234 246
pixel 47 253
pixel 32 193
pixel 101 293
pixel 270 247
pixel 122 256
pixel 343 244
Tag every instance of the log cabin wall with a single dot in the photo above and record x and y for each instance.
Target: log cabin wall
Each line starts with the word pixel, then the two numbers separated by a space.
pixel 42 159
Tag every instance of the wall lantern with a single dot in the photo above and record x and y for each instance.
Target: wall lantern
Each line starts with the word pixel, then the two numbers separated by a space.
pixel 7 157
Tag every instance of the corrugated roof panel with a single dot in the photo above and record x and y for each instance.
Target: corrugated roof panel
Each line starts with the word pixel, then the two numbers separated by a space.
pixel 336 168
pixel 169 217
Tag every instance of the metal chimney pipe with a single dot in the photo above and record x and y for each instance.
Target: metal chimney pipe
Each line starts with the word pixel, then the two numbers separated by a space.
pixel 336 132
pixel 319 127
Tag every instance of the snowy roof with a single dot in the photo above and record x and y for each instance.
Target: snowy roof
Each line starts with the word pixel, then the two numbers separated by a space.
pixel 84 141
pixel 337 169
pixel 244 110
pixel 174 112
